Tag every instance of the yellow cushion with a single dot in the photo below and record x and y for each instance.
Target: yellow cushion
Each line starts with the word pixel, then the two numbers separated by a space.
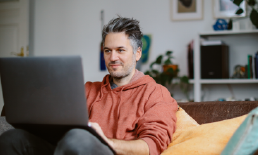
pixel 184 121
pixel 202 139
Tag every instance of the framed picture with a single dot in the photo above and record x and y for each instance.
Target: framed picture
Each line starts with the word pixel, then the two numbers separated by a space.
pixel 227 9
pixel 186 10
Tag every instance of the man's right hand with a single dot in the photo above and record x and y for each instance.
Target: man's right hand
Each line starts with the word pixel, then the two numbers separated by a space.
pixel 122 147
pixel 98 129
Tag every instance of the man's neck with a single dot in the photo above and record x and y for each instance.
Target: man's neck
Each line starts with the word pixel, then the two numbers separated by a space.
pixel 124 80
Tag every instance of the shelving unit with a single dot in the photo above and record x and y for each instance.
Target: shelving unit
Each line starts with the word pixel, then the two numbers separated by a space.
pixel 230 35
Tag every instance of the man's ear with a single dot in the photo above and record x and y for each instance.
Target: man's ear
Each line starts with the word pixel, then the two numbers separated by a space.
pixel 138 54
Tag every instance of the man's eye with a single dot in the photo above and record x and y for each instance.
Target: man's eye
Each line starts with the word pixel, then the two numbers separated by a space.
pixel 121 50
pixel 106 51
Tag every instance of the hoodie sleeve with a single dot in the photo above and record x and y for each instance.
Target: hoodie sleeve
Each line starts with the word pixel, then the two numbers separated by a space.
pixel 158 123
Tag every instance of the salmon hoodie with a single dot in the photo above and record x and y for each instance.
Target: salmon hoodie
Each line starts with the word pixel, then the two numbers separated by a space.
pixel 141 109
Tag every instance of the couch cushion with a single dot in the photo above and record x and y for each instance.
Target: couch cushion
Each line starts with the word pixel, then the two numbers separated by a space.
pixel 207 112
pixel 205 139
pixel 184 121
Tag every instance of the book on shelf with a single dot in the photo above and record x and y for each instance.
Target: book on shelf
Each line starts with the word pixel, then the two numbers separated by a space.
pixel 249 67
pixel 256 65
pixel 190 55
pixel 212 42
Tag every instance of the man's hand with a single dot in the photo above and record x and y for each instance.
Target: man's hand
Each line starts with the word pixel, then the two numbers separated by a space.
pixel 98 129
pixel 122 147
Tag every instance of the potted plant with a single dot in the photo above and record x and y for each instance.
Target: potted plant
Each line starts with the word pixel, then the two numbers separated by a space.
pixel 165 71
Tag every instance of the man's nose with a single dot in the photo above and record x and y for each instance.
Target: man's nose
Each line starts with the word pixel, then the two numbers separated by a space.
pixel 113 56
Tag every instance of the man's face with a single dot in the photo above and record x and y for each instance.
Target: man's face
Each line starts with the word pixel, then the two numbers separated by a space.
pixel 118 54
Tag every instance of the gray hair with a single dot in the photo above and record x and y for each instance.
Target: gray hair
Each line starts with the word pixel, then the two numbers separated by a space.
pixel 129 26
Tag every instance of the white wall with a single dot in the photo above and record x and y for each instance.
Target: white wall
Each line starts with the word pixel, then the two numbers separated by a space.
pixel 73 27
pixel 65 27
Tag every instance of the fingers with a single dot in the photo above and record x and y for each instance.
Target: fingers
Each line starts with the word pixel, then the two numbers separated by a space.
pixel 98 129
pixel 94 125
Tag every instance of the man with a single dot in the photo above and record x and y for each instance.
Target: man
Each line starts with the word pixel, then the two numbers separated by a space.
pixel 127 109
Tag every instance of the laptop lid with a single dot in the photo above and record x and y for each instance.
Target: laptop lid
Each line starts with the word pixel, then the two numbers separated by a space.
pixel 44 90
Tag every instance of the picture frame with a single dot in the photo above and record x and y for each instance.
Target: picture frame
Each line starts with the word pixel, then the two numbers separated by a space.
pixel 186 10
pixel 227 9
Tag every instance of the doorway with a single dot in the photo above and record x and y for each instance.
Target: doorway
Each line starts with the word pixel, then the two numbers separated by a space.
pixel 14 31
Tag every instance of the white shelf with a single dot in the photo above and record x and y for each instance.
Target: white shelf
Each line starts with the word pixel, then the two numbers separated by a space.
pixel 228 81
pixel 191 81
pixel 227 32
pixel 228 36
pixel 225 81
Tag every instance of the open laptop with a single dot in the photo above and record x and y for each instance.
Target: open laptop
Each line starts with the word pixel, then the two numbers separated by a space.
pixel 45 95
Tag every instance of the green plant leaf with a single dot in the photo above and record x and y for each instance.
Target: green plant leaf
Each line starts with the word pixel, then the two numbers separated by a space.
pixel 170 71
pixel 156 79
pixel 155 71
pixel 168 53
pixel 159 59
pixel 168 62
pixel 184 79
pixel 151 65
pixel 251 2
pixel 254 17
pixel 177 70
pixel 239 11
pixel 147 73
pixel 170 79
pixel 163 79
pixel 237 2
pixel 184 86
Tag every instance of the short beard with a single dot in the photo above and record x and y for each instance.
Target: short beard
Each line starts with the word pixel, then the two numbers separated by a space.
pixel 119 76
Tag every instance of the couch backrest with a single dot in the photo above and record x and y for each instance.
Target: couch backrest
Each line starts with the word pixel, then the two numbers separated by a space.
pixel 207 112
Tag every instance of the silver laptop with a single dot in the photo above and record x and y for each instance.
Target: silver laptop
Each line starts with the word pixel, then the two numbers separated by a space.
pixel 45 95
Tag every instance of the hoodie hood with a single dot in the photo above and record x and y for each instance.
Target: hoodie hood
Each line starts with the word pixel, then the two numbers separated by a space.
pixel 137 80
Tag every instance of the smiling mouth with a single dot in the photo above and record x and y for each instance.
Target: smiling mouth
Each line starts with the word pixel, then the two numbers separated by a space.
pixel 115 66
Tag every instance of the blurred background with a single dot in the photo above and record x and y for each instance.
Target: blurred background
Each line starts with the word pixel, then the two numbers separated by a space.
pixel 73 27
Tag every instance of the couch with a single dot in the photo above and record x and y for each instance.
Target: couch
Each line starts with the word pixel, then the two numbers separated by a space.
pixel 208 112
pixel 202 112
